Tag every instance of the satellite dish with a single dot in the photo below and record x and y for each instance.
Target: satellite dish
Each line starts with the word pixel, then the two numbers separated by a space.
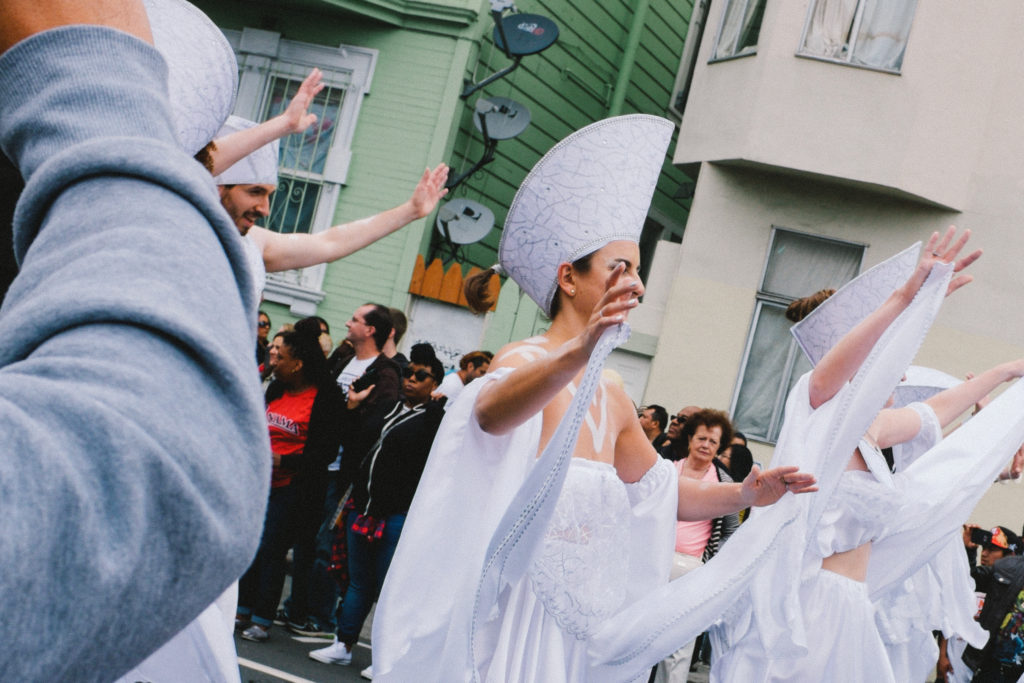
pixel 517 35
pixel 527 34
pixel 504 118
pixel 463 221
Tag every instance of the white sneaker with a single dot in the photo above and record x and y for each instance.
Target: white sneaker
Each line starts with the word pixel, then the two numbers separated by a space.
pixel 335 653
pixel 367 673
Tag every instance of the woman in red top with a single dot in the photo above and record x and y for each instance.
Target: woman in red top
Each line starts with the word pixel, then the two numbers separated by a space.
pixel 302 409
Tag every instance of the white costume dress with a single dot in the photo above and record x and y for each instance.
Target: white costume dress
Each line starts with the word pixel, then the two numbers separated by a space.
pixel 791 610
pixel 469 597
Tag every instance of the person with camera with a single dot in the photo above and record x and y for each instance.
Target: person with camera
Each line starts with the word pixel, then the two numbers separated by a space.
pixel 999 580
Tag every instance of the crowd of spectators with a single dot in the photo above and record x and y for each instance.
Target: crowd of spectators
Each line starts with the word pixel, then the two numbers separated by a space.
pixel 350 430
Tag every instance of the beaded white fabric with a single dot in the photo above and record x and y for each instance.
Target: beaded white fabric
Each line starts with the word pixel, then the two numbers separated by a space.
pixel 857 512
pixel 592 188
pixel 581 568
pixel 202 72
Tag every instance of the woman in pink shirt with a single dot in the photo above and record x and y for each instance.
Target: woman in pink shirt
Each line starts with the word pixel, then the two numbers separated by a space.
pixel 697 542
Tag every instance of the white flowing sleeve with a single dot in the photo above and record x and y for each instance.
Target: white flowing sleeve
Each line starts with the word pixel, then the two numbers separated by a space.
pixel 930 434
pixel 751 587
pixel 421 626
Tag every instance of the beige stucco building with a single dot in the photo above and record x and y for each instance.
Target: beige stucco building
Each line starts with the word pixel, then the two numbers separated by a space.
pixel 826 136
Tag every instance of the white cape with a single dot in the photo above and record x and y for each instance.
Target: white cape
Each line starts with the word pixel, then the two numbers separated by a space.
pixel 767 557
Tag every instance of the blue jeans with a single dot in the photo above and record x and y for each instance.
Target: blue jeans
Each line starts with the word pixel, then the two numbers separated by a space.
pixel 368 562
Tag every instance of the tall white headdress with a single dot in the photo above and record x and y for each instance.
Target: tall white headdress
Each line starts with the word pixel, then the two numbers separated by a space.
pixel 259 168
pixel 829 322
pixel 202 71
pixel 592 188
pixel 921 384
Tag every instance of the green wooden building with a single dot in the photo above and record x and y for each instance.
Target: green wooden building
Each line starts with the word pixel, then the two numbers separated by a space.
pixel 395 71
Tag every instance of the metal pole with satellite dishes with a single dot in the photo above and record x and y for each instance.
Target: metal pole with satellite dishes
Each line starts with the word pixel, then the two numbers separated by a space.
pixel 517 35
pixel 463 221
pixel 498 118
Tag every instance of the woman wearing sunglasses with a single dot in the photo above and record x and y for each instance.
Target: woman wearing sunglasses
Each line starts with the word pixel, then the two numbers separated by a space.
pixel 392 441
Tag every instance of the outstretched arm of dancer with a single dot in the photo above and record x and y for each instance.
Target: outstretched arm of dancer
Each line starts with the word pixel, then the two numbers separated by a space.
pixel 841 363
pixel 299 250
pixel 902 424
pixel 702 500
pixel 294 119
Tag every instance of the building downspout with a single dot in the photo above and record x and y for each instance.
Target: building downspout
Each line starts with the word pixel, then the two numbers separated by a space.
pixel 636 29
pixel 694 37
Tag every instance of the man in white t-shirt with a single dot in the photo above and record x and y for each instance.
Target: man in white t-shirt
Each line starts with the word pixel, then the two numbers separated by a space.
pixel 471 366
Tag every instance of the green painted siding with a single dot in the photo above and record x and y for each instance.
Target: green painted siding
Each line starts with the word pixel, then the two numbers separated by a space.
pixel 567 87
pixel 404 125
pixel 413 116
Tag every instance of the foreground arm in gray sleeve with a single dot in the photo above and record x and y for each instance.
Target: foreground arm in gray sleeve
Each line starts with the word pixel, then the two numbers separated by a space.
pixel 134 462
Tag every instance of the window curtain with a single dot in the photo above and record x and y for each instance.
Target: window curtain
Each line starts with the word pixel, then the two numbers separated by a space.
pixel 828 30
pixel 766 363
pixel 735 36
pixel 884 28
pixel 800 265
pixel 797 266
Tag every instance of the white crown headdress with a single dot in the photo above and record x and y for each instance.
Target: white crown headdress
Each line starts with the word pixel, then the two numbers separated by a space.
pixel 259 168
pixel 592 188
pixel 921 384
pixel 829 322
pixel 202 72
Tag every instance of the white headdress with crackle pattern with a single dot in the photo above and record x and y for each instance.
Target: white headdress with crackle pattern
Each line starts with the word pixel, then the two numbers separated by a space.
pixel 259 168
pixel 828 323
pixel 592 188
pixel 920 384
pixel 202 74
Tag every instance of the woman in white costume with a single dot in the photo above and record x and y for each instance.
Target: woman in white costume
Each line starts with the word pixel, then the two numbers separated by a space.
pixel 808 614
pixel 508 561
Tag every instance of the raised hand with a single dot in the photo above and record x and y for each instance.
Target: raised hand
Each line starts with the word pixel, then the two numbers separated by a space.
pixel 429 190
pixel 944 249
pixel 764 488
pixel 620 296
pixel 297 116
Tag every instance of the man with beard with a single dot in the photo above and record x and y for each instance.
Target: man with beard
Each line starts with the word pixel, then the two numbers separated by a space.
pixel 245 189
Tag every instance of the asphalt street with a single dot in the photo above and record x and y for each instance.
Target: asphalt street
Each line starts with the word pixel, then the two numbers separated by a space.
pixel 285 657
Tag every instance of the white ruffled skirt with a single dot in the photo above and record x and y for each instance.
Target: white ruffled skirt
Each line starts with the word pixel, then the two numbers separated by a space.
pixel 843 643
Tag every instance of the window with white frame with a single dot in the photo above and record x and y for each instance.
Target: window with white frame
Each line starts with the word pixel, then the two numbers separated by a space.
pixel 798 264
pixel 313 165
pixel 740 28
pixel 870 33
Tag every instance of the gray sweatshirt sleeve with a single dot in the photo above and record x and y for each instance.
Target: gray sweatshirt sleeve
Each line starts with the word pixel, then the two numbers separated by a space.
pixel 134 463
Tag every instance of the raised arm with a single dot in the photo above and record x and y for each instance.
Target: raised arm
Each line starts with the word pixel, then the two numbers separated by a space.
pixel 294 119
pixel 841 363
pixel 284 252
pixel 134 275
pixel 506 403
pixel 892 427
